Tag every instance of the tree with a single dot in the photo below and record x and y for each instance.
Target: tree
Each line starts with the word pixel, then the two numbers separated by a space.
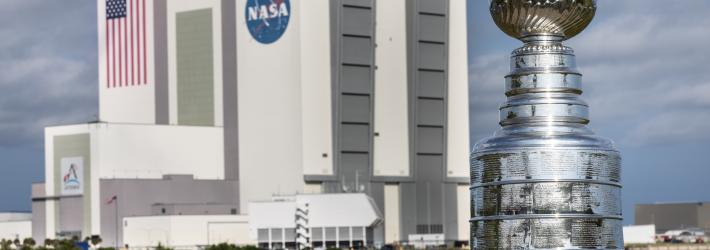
pixel 65 244
pixel 161 247
pixel 29 242
pixel 5 244
pixel 96 240
pixel 227 246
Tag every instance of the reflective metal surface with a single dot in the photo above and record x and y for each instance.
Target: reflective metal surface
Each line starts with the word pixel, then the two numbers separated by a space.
pixel 544 180
pixel 562 18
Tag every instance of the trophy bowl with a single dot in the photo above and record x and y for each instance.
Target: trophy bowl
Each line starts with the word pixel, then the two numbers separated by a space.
pixel 526 18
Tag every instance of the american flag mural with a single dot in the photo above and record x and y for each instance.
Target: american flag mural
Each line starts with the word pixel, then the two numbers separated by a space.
pixel 126 43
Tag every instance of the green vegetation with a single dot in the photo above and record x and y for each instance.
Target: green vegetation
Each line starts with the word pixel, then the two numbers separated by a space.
pixel 161 247
pixel 5 244
pixel 227 246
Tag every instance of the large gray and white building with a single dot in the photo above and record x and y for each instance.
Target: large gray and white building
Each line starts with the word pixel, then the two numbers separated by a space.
pixel 208 106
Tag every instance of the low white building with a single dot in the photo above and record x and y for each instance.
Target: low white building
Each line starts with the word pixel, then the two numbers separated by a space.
pixel 15 225
pixel 185 231
pixel 333 220
pixel 640 234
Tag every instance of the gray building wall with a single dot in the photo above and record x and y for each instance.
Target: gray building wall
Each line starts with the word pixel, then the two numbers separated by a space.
pixel 354 59
pixel 178 195
pixel 704 216
pixel 670 216
pixel 434 206
pixel 70 216
pixel 160 38
pixel 427 200
pixel 39 210
pixel 230 90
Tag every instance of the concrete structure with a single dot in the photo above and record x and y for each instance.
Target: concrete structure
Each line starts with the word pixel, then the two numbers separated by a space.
pixel 271 224
pixel 334 220
pixel 671 216
pixel 15 225
pixel 639 234
pixel 204 109
pixel 185 231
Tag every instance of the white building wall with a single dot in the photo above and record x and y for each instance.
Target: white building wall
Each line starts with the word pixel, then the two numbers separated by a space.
pixel 316 88
pixel 269 97
pixel 151 151
pixel 391 147
pixel 463 199
pixel 15 216
pixel 392 215
pixel 173 7
pixel 313 188
pixel 186 231
pixel 457 137
pixel 129 104
pixel 640 234
pixel 11 230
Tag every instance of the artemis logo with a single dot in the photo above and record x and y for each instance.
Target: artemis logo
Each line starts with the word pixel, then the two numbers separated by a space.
pixel 71 178
pixel 267 20
pixel 72 174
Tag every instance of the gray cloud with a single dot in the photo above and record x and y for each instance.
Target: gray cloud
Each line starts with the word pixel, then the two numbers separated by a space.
pixel 486 93
pixel 48 68
pixel 647 68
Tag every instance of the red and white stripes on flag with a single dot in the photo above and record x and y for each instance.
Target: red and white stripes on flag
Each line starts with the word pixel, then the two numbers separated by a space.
pixel 126 43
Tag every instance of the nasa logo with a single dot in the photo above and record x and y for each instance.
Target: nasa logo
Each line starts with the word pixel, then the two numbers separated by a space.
pixel 267 20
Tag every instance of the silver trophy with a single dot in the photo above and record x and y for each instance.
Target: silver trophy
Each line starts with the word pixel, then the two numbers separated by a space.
pixel 544 180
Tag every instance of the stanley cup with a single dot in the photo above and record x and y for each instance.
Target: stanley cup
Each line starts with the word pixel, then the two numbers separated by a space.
pixel 544 180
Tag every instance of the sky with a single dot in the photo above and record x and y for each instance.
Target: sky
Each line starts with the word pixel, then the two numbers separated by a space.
pixel 645 66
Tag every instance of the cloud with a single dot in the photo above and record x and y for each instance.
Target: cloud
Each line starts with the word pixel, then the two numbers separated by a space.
pixel 48 68
pixel 668 128
pixel 645 73
pixel 647 68
pixel 486 93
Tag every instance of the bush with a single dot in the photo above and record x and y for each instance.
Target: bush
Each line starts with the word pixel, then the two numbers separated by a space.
pixel 5 244
pixel 95 240
pixel 227 246
pixel 65 244
pixel 28 243
pixel 161 247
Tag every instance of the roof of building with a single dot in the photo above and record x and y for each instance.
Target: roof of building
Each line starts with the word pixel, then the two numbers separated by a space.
pixel 324 210
pixel 15 216
pixel 675 203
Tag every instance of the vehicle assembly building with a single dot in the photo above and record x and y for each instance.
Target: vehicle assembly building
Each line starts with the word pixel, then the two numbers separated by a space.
pixel 211 109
